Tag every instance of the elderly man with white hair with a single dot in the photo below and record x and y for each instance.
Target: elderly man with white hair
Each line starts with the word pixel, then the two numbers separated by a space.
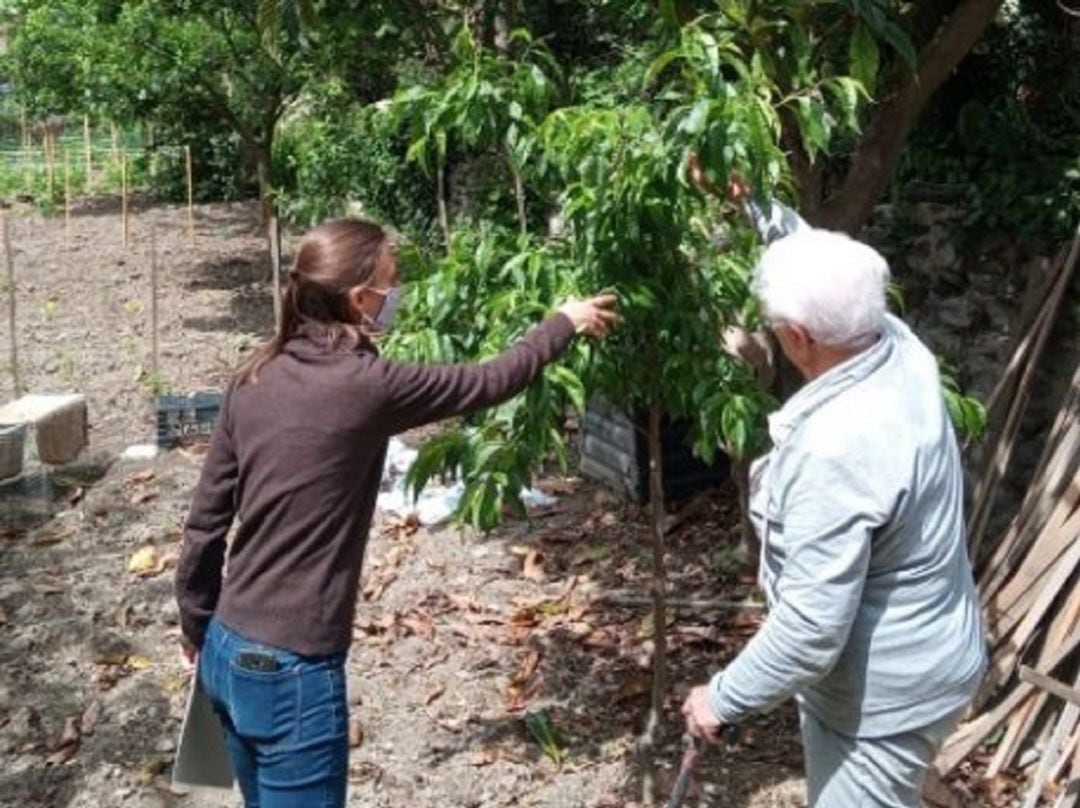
pixel 874 624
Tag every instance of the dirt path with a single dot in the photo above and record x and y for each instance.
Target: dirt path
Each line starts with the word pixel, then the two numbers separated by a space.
pixel 457 635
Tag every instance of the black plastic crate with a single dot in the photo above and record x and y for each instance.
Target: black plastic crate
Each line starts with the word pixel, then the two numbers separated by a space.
pixel 186 420
pixel 615 451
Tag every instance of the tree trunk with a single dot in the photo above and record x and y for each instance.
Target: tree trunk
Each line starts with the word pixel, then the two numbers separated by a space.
pixel 647 741
pixel 440 193
pixel 519 194
pixel 264 170
pixel 878 152
pixel 740 474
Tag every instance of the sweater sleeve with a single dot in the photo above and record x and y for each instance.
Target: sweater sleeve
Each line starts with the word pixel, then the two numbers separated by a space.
pixel 419 394
pixel 202 555
pixel 828 518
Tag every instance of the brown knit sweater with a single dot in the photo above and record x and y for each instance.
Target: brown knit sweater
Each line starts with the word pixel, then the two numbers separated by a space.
pixel 297 457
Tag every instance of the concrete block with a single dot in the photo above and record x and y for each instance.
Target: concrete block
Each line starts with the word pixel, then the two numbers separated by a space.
pixel 60 423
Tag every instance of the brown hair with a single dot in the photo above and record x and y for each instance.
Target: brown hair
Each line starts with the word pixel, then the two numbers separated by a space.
pixel 332 258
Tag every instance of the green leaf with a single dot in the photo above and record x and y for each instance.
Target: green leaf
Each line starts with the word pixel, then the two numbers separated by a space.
pixel 669 14
pixel 864 57
pixel 813 124
pixel 571 384
pixel 660 64
pixel 901 43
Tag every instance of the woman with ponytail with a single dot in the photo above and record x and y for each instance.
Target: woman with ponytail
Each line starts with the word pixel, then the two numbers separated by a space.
pixel 296 460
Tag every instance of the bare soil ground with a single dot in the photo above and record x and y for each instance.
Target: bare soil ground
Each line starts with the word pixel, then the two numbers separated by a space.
pixel 456 637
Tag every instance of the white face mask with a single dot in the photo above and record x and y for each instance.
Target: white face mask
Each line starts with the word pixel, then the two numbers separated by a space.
pixel 392 297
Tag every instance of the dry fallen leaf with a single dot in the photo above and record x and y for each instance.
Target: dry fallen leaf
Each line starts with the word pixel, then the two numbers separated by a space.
pixel 68 744
pixel 518 691
pixel 90 717
pixel 140 477
pixel 483 758
pixel 144 561
pixel 151 769
pixel 533 566
pixel 142 498
pixel 71 732
pixel 356 733
pixel 419 624
pixel 138 663
pixel 632 688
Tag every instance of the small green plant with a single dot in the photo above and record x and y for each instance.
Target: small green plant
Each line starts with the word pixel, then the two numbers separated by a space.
pixel 967 413
pixel 68 366
pixel 728 561
pixel 546 735
pixel 155 385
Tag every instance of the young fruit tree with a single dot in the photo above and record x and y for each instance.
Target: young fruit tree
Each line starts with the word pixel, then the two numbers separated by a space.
pixel 768 91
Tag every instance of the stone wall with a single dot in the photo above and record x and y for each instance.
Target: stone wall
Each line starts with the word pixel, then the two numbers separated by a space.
pixel 968 300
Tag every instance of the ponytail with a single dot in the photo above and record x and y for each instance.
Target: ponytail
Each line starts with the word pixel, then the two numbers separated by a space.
pixel 249 371
pixel 332 259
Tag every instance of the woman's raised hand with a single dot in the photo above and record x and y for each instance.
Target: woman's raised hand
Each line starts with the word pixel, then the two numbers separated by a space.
pixel 593 316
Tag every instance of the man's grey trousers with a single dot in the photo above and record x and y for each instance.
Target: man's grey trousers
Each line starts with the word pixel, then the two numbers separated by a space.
pixel 888 772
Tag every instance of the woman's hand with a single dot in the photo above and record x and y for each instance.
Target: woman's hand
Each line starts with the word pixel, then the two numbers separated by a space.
pixel 594 316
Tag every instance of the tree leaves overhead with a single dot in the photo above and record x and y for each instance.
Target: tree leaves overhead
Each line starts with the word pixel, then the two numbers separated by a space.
pixel 865 57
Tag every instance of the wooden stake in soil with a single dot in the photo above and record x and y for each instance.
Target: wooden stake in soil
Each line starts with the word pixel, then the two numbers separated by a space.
pixel 274 235
pixel 13 348
pixel 67 199
pixel 154 306
pixel 647 741
pixel 190 196
pixel 50 161
pixel 89 153
pixel 115 143
pixel 124 199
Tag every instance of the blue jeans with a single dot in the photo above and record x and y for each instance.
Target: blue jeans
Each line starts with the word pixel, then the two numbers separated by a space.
pixel 286 728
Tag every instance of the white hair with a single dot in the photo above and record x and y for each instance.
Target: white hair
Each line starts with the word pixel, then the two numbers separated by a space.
pixel 828 283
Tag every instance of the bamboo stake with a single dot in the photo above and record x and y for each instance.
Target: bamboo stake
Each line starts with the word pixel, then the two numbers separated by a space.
pixel 50 160
pixel 67 199
pixel 154 305
pixel 1050 754
pixel 275 265
pixel 1025 717
pixel 13 347
pixel 1065 758
pixel 964 741
pixel 89 153
pixel 190 196
pixel 124 199
pixel 999 459
pixel 115 143
pixel 1050 685
pixel 25 135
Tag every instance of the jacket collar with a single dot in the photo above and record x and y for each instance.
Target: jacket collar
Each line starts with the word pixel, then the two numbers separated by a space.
pixel 833 382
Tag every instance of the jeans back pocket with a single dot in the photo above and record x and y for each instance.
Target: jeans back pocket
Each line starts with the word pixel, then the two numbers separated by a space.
pixel 264 705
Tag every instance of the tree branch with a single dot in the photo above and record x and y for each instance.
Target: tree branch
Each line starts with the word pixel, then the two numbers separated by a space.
pixel 875 159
